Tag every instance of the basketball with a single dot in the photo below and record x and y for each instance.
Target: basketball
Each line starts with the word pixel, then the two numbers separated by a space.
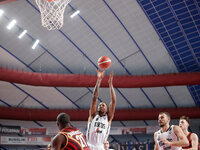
pixel 104 62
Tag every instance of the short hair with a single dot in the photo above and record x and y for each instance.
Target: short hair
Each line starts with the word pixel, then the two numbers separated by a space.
pixel 185 118
pixel 166 113
pixel 63 118
pixel 106 142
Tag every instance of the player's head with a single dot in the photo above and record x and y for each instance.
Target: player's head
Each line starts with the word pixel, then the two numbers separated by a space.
pixel 102 108
pixel 63 120
pixel 106 145
pixel 163 119
pixel 184 122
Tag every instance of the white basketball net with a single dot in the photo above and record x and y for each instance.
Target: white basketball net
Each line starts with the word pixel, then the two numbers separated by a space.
pixel 52 12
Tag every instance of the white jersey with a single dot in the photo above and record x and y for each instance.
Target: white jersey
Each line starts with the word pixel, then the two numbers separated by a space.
pixel 170 136
pixel 97 132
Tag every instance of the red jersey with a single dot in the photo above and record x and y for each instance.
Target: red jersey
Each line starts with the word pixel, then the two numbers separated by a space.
pixel 75 139
pixel 190 142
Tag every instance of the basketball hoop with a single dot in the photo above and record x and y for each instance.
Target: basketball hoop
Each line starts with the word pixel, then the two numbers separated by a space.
pixel 52 12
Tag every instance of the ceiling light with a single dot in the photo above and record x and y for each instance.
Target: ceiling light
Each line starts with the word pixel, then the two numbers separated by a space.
pixel 35 44
pixel 1 12
pixel 22 34
pixel 11 24
pixel 74 14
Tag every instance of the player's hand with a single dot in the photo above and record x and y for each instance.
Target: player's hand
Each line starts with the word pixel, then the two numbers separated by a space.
pixel 166 142
pixel 100 74
pixel 110 80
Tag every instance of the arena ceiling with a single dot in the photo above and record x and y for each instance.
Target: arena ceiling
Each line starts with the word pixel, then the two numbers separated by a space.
pixel 142 37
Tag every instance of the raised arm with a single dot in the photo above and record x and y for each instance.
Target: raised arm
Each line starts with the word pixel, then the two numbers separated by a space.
pixel 113 99
pixel 92 111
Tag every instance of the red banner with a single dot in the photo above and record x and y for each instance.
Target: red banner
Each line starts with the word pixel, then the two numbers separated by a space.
pixel 33 131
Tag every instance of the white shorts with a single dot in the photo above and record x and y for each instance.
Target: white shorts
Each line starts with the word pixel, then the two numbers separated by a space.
pixel 96 147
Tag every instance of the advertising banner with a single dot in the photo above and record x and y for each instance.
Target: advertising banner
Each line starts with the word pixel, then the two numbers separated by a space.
pixel 136 146
pixel 12 140
pixel 10 129
pixel 53 131
pixel 134 130
pixel 33 131
pixel 5 140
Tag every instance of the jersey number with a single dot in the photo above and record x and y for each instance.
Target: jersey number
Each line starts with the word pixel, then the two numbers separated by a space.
pixel 81 140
